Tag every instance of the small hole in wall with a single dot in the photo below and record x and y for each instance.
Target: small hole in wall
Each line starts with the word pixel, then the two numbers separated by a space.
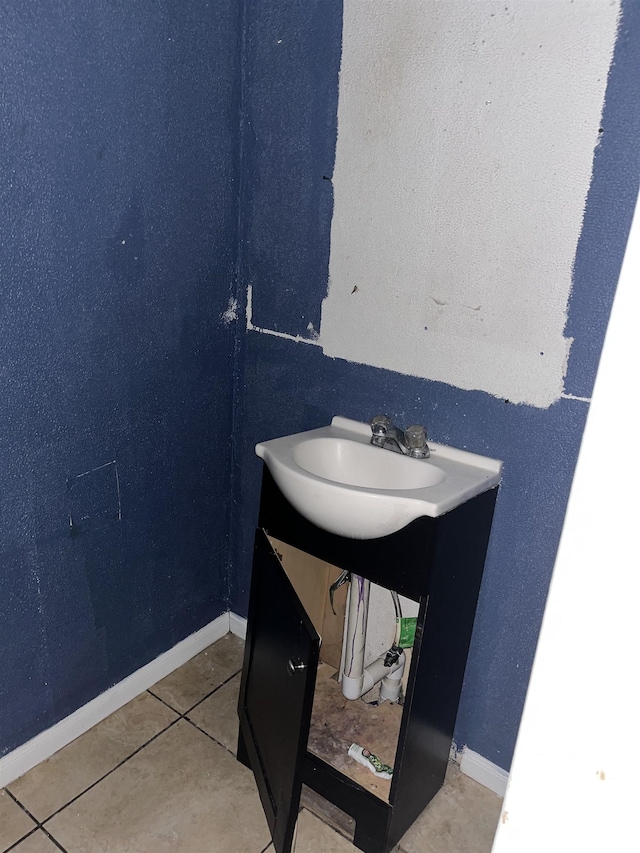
pixel 541 353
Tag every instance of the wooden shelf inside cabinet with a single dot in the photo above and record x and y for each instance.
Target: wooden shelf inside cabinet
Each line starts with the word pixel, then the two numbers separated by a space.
pixel 437 562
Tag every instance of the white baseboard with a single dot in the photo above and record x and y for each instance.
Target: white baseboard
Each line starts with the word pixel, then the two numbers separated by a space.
pixel 238 625
pixel 484 771
pixel 44 745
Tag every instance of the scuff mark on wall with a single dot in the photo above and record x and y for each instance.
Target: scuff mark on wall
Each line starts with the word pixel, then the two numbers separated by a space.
pixel 297 338
pixel 462 183
pixel 573 397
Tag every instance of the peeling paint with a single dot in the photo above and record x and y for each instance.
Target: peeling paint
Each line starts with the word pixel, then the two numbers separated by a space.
pixel 296 338
pixel 573 397
pixel 231 314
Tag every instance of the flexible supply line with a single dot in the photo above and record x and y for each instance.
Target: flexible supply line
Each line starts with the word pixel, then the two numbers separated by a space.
pixel 398 609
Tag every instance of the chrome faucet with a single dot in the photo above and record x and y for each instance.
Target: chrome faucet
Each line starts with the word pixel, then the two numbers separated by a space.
pixel 410 442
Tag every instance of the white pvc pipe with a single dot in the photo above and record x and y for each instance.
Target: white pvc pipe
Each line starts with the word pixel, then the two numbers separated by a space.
pixel 390 676
pixel 353 671
pixel 356 679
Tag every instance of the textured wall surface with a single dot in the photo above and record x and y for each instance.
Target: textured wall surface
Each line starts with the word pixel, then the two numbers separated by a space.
pixel 466 134
pixel 118 192
pixel 284 386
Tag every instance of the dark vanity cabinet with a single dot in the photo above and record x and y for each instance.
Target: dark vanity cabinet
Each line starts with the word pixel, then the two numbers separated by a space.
pixel 438 562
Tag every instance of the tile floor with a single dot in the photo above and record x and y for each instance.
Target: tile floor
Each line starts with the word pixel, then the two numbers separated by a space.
pixel 160 775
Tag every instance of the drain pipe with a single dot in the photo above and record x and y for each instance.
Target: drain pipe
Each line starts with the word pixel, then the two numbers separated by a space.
pixel 356 678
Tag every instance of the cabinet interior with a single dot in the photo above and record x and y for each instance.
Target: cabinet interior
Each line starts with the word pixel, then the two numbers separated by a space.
pixel 337 722
pixel 311 579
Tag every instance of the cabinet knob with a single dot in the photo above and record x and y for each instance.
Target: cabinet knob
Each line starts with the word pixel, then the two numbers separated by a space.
pixel 295 665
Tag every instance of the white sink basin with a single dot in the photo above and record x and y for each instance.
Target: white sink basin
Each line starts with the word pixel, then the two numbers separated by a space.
pixel 340 482
pixel 351 463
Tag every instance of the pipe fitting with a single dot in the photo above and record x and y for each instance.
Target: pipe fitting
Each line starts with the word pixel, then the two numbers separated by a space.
pixel 357 679
pixel 376 672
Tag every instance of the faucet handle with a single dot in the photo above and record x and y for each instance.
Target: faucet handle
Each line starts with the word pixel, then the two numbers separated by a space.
pixel 380 424
pixel 416 440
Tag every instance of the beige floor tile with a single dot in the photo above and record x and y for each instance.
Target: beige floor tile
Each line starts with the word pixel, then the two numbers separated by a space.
pixel 14 823
pixel 182 792
pixel 313 836
pixel 69 772
pixel 186 686
pixel 463 816
pixel 36 843
pixel 218 715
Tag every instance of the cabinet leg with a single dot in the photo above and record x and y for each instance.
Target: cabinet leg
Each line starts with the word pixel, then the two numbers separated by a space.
pixel 371 835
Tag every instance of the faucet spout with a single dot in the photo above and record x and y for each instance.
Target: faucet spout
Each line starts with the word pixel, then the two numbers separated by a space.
pixel 409 442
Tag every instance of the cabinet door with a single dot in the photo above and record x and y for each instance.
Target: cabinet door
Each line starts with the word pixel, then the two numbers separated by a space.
pixel 276 696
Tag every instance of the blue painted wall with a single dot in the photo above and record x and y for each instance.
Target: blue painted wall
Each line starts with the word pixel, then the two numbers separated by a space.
pixel 290 100
pixel 121 195
pixel 118 187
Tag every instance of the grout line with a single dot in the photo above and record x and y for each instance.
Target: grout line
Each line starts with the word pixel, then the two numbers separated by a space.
pixel 181 716
pixel 215 690
pixel 24 838
pixel 35 829
pixel 164 702
pixel 109 772
pixel 23 807
pixel 211 737
pixel 54 840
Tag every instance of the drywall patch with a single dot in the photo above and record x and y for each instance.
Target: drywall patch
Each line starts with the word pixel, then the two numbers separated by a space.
pixel 466 134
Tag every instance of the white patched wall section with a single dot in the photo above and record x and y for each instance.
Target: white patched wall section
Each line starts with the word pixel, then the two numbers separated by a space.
pixel 466 134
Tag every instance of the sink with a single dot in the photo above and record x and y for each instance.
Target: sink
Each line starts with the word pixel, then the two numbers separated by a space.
pixel 340 482
pixel 351 463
